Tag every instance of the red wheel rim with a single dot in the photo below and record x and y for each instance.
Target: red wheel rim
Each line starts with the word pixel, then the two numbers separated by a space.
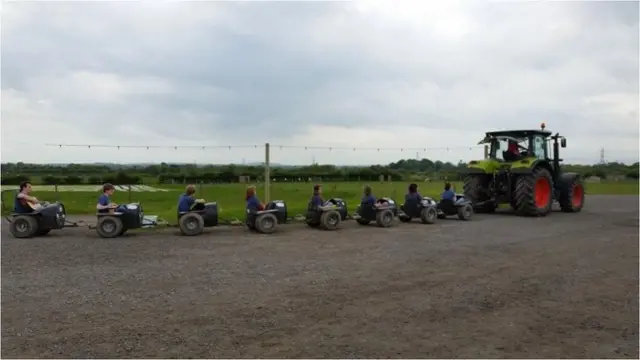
pixel 578 193
pixel 542 193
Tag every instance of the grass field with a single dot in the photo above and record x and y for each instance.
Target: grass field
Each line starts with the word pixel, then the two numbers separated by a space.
pixel 162 200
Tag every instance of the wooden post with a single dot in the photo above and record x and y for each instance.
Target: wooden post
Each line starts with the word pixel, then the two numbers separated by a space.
pixel 267 173
pixel 486 151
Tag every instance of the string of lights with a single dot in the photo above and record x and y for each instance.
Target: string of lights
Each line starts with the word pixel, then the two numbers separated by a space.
pixel 294 147
pixel 149 147
pixel 272 146
pixel 330 148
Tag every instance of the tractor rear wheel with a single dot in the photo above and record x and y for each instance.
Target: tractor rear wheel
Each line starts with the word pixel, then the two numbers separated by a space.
pixel 534 193
pixel 572 195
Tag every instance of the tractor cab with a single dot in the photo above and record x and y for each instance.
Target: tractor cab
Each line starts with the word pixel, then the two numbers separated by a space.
pixel 510 146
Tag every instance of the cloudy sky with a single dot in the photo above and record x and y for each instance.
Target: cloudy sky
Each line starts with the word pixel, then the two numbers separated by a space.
pixel 430 75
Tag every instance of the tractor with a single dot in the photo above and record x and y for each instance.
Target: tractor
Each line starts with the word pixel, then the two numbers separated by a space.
pixel 519 171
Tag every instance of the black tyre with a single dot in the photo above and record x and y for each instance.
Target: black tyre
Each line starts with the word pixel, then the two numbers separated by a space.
pixel 571 197
pixel 43 232
pixel 405 218
pixel 266 223
pixel 361 220
pixel 312 219
pixel 534 193
pixel 109 227
pixel 465 212
pixel 330 220
pixel 384 218
pixel 191 224
pixel 475 189
pixel 428 215
pixel 24 226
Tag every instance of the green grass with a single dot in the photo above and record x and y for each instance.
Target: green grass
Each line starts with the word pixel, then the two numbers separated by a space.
pixel 230 197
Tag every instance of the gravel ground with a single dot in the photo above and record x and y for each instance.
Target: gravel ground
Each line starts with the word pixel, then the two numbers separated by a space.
pixel 497 286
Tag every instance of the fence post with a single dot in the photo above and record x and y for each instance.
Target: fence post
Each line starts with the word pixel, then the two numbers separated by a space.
pixel 57 193
pixel 267 173
pixel 486 151
pixel 129 194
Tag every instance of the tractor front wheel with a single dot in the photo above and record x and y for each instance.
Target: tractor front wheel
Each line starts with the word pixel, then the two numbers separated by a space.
pixel 572 195
pixel 534 193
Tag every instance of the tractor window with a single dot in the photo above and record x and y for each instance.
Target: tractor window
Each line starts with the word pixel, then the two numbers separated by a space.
pixel 539 149
pixel 497 153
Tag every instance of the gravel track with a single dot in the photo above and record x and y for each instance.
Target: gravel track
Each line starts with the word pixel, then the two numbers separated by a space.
pixel 498 286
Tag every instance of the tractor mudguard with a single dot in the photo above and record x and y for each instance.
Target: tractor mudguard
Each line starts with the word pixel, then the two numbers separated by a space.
pixel 487 166
pixel 564 179
pixel 569 176
pixel 521 171
pixel 473 171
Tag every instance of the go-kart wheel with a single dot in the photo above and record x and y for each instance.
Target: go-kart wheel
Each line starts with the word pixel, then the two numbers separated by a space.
pixel 23 227
pixel 266 223
pixel 191 224
pixel 465 212
pixel 363 221
pixel 330 220
pixel 43 232
pixel 384 218
pixel 428 215
pixel 442 216
pixel 405 219
pixel 109 227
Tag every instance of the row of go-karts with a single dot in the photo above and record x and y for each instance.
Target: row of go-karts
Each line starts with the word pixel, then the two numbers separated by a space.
pixel 328 216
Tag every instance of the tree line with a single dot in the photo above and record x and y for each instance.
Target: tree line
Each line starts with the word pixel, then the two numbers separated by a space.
pixel 405 169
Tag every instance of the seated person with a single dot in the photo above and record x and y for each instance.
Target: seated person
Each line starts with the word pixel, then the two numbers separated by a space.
pixel 104 202
pixel 316 197
pixel 512 153
pixel 368 198
pixel 448 194
pixel 187 200
pixel 251 197
pixel 413 193
pixel 23 202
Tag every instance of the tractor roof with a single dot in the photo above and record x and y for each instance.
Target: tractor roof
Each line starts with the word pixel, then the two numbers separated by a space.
pixel 518 133
pixel 514 135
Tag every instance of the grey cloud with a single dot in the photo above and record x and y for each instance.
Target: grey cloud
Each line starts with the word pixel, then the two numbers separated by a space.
pixel 260 70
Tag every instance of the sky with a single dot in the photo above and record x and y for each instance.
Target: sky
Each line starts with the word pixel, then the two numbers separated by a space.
pixel 427 77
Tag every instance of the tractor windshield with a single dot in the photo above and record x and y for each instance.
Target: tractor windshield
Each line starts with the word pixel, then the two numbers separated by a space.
pixel 502 146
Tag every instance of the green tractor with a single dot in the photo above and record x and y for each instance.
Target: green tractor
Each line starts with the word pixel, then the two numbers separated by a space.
pixel 520 172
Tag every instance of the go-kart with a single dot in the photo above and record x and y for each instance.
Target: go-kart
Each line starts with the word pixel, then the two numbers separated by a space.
pixel 44 218
pixel 120 219
pixel 328 216
pixel 200 216
pixel 425 209
pixel 461 207
pixel 383 212
pixel 266 221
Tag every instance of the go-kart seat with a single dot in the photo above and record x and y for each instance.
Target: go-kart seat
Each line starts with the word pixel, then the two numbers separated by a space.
pixel 198 206
pixel 411 205
pixel 447 206
pixel 367 209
